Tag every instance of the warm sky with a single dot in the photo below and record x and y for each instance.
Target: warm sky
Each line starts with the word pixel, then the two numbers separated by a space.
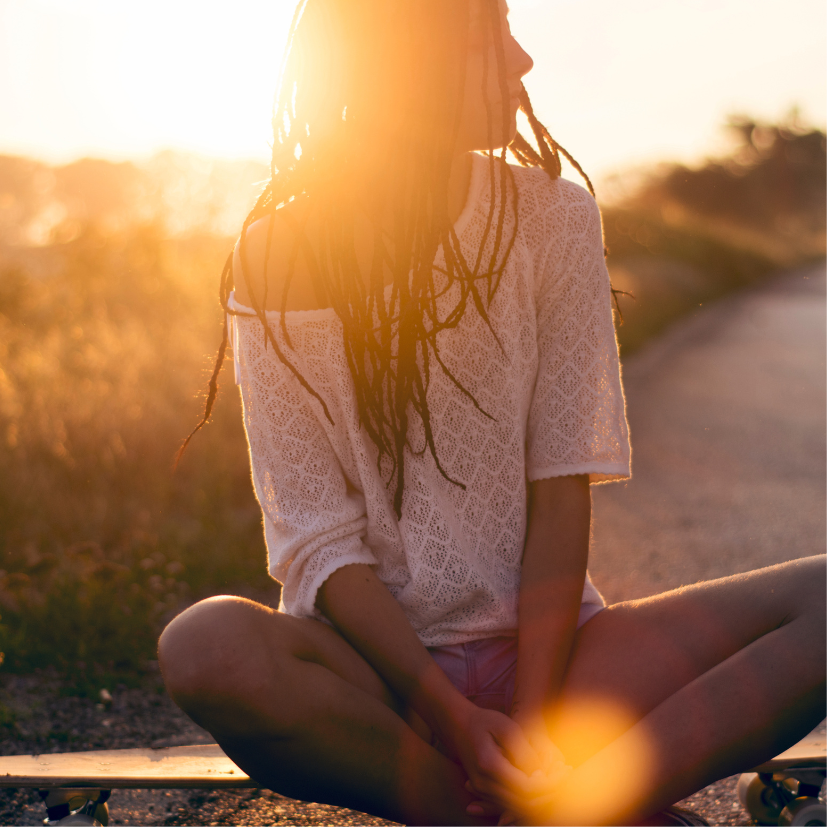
pixel 618 83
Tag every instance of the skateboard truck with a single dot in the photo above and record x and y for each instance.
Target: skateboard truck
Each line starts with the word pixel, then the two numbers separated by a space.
pixel 789 789
pixel 76 806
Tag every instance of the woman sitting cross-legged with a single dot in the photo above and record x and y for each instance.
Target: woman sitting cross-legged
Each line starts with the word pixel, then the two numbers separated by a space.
pixel 423 338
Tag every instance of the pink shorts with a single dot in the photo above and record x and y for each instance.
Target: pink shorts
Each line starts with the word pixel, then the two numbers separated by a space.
pixel 484 670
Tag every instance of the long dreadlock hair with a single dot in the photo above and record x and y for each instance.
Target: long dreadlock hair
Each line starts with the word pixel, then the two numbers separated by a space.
pixel 331 104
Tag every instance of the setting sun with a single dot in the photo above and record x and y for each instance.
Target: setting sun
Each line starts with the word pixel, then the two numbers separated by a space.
pixel 117 79
pixel 645 82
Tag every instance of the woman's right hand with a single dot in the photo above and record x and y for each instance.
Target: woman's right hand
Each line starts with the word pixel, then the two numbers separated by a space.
pixel 493 749
pixel 501 764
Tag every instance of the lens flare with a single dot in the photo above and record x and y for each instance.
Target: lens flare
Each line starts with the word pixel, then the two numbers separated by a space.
pixel 613 761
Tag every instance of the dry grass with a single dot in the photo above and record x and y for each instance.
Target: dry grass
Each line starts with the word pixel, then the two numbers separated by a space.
pixel 107 336
pixel 102 363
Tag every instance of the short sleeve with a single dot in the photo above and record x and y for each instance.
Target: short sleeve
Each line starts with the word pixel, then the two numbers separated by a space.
pixel 577 419
pixel 314 520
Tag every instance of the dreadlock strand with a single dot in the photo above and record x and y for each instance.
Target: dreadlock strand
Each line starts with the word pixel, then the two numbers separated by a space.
pixel 551 159
pixel 288 278
pixel 211 396
pixel 524 152
pixel 568 156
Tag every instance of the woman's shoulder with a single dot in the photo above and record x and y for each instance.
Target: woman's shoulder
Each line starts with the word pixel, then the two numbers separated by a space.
pixel 555 205
pixel 536 184
pixel 262 258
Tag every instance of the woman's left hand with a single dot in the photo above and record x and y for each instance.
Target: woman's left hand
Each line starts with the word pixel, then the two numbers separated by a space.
pixel 495 754
pixel 534 726
pixel 552 771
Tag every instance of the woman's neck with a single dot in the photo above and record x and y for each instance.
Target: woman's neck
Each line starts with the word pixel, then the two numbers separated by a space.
pixel 458 185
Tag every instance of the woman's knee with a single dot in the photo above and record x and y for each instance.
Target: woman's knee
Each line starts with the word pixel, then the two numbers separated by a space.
pixel 209 645
pixel 814 597
pixel 795 593
pixel 806 587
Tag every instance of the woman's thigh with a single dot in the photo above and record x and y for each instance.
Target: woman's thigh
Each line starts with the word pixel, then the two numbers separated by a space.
pixel 633 655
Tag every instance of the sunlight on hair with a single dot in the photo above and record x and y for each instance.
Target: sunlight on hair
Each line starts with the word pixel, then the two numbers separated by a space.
pixel 390 162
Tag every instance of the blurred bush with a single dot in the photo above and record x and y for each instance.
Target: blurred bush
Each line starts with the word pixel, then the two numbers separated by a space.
pixel 102 363
pixel 178 192
pixel 687 235
pixel 108 326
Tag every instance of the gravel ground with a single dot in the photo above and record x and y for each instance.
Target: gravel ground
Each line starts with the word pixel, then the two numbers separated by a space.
pixel 727 413
pixel 45 722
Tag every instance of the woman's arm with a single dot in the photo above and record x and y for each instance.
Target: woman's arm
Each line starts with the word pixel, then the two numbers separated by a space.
pixel 493 749
pixel 359 604
pixel 551 588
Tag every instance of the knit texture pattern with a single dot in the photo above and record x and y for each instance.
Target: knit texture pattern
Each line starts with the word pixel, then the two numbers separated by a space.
pixel 551 389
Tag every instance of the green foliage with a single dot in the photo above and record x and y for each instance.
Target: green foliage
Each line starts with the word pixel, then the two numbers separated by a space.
pixel 774 181
pixel 7 717
pixel 669 269
pixel 75 611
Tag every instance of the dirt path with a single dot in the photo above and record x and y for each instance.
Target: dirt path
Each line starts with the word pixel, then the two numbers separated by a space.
pixel 727 416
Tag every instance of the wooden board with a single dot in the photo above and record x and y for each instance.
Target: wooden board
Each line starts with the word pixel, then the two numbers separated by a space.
pixel 809 752
pixel 208 767
pixel 172 767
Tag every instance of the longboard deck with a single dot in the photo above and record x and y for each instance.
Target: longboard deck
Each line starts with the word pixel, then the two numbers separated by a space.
pixel 809 752
pixel 170 767
pixel 208 767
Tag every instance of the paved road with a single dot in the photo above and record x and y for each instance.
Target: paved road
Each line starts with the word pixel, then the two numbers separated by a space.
pixel 727 415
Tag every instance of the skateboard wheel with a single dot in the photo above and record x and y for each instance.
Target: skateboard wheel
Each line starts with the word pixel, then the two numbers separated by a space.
pixel 804 811
pixel 743 784
pixel 100 812
pixel 760 800
pixel 63 804
pixel 78 819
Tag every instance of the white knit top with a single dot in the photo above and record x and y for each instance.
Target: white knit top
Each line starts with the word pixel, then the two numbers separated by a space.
pixel 552 389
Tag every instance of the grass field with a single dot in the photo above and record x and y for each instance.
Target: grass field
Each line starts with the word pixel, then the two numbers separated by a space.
pixel 108 327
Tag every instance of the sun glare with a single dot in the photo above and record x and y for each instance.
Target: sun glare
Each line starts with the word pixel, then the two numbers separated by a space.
pixel 123 80
pixel 137 77
pixel 208 74
pixel 624 770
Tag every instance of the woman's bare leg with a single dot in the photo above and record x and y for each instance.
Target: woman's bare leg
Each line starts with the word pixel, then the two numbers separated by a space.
pixel 298 709
pixel 667 694
pixel 663 696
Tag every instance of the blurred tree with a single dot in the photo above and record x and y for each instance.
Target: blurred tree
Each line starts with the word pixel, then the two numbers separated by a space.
pixel 775 180
pixel 180 192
